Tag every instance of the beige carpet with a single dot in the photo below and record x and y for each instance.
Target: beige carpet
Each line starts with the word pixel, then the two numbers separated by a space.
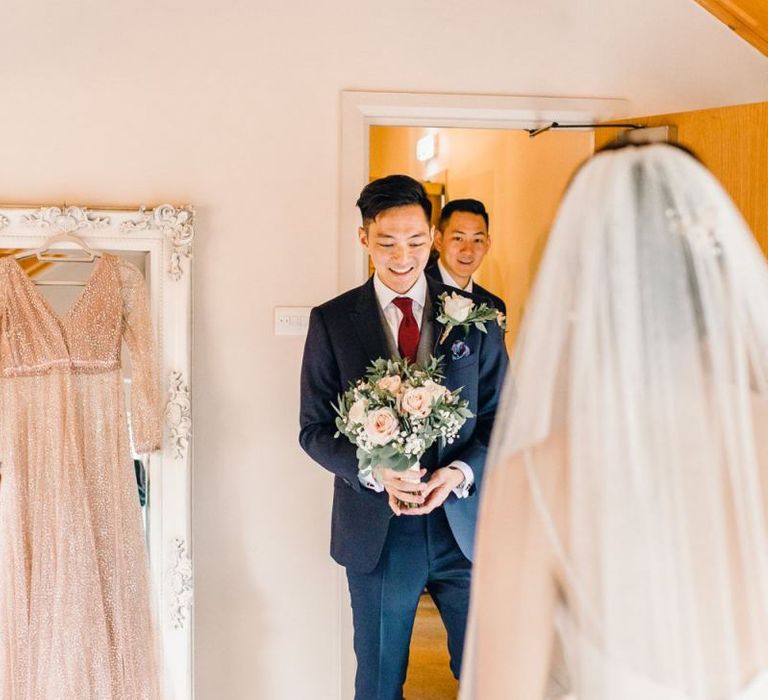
pixel 429 677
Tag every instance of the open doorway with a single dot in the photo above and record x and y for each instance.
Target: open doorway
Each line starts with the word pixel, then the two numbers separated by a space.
pixel 520 180
pixel 362 110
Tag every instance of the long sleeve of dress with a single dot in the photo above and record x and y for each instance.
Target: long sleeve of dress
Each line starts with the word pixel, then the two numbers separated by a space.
pixel 146 421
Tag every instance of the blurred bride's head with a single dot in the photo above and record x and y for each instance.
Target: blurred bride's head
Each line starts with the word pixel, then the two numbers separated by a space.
pixel 649 234
pixel 650 281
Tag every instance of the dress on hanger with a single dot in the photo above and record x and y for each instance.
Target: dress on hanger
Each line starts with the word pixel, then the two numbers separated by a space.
pixel 75 617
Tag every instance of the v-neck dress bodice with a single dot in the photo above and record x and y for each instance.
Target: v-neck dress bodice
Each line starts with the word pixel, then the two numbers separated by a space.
pixel 75 617
pixel 85 339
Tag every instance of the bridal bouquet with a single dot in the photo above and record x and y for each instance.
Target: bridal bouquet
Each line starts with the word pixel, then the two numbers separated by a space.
pixel 397 411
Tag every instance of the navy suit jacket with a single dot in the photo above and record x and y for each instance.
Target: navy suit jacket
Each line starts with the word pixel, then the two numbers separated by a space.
pixel 433 271
pixel 345 336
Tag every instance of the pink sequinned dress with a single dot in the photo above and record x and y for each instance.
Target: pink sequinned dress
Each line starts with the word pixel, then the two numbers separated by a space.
pixel 75 621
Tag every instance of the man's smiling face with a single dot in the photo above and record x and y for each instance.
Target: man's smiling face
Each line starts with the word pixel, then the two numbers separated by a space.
pixel 463 244
pixel 398 241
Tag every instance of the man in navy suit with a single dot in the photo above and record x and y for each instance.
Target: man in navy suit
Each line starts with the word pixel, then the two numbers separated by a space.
pixel 392 554
pixel 461 242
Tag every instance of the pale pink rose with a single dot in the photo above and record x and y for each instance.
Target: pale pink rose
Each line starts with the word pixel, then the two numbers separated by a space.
pixel 357 411
pixel 381 426
pixel 457 307
pixel 390 383
pixel 417 402
pixel 436 391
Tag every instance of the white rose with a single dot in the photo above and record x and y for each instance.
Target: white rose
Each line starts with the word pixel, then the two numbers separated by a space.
pixel 390 383
pixel 436 391
pixel 417 402
pixel 457 307
pixel 357 411
pixel 381 426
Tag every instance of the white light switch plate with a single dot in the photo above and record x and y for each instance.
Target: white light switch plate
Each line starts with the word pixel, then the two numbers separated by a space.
pixel 292 320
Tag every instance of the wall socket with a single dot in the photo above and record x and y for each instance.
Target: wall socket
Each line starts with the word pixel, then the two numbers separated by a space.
pixel 292 320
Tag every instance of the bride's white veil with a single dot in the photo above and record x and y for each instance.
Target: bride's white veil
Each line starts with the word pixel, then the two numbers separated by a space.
pixel 645 343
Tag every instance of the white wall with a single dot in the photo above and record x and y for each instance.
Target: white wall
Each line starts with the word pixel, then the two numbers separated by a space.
pixel 234 106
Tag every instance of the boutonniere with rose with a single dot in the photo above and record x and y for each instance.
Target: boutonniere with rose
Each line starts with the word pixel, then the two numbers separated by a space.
pixel 457 310
pixel 397 411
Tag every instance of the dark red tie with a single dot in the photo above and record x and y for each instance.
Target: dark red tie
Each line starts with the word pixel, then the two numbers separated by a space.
pixel 408 334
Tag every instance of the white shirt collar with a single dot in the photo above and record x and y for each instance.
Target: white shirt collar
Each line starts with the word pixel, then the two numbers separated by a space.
pixel 447 279
pixel 385 295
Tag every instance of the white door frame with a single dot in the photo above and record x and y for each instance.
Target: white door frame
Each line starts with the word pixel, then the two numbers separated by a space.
pixel 361 110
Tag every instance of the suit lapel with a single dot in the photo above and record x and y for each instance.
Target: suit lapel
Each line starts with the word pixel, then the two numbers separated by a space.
pixel 366 319
pixel 426 335
pixel 434 290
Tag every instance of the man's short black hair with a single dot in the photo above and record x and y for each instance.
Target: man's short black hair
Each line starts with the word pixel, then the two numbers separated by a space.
pixel 469 206
pixel 390 192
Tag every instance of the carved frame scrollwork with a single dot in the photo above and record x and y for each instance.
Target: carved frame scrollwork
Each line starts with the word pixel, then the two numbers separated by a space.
pixel 178 413
pixel 65 219
pixel 181 583
pixel 178 226
pixel 164 235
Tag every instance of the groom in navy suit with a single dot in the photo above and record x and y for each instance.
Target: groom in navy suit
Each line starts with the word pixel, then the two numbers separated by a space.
pixel 392 554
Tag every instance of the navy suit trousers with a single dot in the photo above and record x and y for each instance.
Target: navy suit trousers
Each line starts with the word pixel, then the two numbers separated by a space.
pixel 420 551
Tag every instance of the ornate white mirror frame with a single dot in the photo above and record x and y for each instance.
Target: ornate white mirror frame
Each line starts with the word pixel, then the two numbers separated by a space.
pixel 164 234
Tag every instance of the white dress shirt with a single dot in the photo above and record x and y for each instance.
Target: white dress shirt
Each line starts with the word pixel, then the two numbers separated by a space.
pixel 385 296
pixel 447 279
pixel 417 294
